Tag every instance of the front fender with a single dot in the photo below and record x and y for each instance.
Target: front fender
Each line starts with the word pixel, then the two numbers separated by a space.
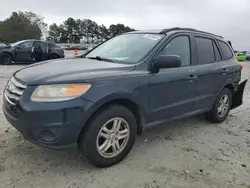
pixel 9 52
pixel 118 96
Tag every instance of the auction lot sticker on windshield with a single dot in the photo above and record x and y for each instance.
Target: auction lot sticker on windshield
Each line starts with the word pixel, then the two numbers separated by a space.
pixel 152 37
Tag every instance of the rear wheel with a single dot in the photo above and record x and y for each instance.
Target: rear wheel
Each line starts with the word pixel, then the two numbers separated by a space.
pixel 109 136
pixel 221 107
pixel 6 59
pixel 53 56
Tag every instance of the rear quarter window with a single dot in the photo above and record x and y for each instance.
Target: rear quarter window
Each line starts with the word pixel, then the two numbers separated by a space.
pixel 226 50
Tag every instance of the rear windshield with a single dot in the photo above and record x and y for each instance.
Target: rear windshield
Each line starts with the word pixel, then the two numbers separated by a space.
pixel 226 50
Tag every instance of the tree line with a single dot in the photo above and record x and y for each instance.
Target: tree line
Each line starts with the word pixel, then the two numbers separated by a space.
pixel 72 30
pixel 29 25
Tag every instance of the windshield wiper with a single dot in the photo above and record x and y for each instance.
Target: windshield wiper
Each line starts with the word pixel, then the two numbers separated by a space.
pixel 100 59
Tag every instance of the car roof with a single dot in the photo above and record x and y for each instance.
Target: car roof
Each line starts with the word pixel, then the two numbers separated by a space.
pixel 176 29
pixel 26 40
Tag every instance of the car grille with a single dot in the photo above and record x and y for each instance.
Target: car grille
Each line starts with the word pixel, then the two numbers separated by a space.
pixel 14 90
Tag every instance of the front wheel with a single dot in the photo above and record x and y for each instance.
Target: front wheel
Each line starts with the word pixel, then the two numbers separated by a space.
pixel 221 107
pixel 109 136
pixel 6 59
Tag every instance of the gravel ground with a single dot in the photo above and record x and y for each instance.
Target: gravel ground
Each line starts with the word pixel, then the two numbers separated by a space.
pixel 188 153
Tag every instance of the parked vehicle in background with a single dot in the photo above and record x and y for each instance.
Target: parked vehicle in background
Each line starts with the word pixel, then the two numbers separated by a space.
pixel 29 51
pixel 241 56
pixel 3 45
pixel 74 47
pixel 248 56
pixel 103 99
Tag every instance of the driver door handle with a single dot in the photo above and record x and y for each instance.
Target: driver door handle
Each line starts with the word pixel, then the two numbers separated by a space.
pixel 224 71
pixel 192 77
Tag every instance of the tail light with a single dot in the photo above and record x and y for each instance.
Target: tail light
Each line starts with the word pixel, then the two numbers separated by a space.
pixel 241 66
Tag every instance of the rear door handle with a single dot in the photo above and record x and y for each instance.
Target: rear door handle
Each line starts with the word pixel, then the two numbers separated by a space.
pixel 224 70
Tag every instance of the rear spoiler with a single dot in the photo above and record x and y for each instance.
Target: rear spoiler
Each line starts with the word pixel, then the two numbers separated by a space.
pixel 229 42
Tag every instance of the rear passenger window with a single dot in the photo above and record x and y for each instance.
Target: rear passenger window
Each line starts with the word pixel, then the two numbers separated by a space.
pixel 205 50
pixel 216 51
pixel 225 50
pixel 179 46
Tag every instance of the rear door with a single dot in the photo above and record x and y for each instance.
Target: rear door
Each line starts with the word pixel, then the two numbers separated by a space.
pixel 45 50
pixel 23 51
pixel 211 72
pixel 172 89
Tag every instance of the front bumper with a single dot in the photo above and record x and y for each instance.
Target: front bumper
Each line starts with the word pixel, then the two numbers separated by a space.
pixel 50 125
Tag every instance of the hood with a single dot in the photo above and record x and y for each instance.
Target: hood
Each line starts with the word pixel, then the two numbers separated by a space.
pixel 5 47
pixel 70 70
pixel 4 44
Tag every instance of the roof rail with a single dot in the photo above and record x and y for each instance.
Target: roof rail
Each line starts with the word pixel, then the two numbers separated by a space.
pixel 164 31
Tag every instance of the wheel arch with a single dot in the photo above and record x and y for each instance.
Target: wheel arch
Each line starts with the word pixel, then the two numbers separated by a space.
pixel 9 53
pixel 231 87
pixel 126 102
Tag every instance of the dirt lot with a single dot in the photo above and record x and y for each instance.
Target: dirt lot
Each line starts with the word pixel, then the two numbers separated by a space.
pixel 189 153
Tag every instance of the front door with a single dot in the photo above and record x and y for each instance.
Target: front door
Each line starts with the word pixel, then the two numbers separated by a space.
pixel 40 50
pixel 171 90
pixel 23 51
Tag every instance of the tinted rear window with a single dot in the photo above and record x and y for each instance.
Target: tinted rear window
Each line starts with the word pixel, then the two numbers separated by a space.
pixel 54 46
pixel 227 53
pixel 205 50
pixel 217 52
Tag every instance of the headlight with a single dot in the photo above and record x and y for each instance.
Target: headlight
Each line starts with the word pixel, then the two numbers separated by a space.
pixel 60 92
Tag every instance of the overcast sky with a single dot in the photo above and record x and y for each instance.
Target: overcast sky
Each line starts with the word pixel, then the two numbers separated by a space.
pixel 229 18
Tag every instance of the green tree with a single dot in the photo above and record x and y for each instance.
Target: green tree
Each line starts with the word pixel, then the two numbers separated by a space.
pixel 104 33
pixel 1 27
pixel 119 29
pixel 19 27
pixel 55 32
pixel 72 29
pixel 39 21
pixel 89 30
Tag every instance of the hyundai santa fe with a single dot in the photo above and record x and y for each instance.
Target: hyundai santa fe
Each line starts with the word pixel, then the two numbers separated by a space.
pixel 101 100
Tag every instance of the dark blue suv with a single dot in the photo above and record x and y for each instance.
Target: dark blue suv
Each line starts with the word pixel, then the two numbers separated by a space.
pixel 101 100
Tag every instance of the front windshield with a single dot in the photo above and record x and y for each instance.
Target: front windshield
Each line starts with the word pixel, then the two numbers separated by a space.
pixel 127 48
pixel 17 43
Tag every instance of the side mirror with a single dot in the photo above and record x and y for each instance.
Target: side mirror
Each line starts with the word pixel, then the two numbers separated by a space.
pixel 18 47
pixel 168 61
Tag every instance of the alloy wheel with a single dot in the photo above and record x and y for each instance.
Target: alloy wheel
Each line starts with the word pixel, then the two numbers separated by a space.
pixel 113 137
pixel 223 105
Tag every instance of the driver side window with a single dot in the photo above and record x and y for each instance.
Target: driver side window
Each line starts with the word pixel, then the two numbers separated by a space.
pixel 27 44
pixel 179 46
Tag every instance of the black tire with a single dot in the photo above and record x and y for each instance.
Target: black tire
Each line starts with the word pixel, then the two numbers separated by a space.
pixel 53 56
pixel 88 138
pixel 6 59
pixel 213 114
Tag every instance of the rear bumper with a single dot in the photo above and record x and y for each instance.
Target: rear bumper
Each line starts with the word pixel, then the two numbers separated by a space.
pixel 238 96
pixel 54 128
